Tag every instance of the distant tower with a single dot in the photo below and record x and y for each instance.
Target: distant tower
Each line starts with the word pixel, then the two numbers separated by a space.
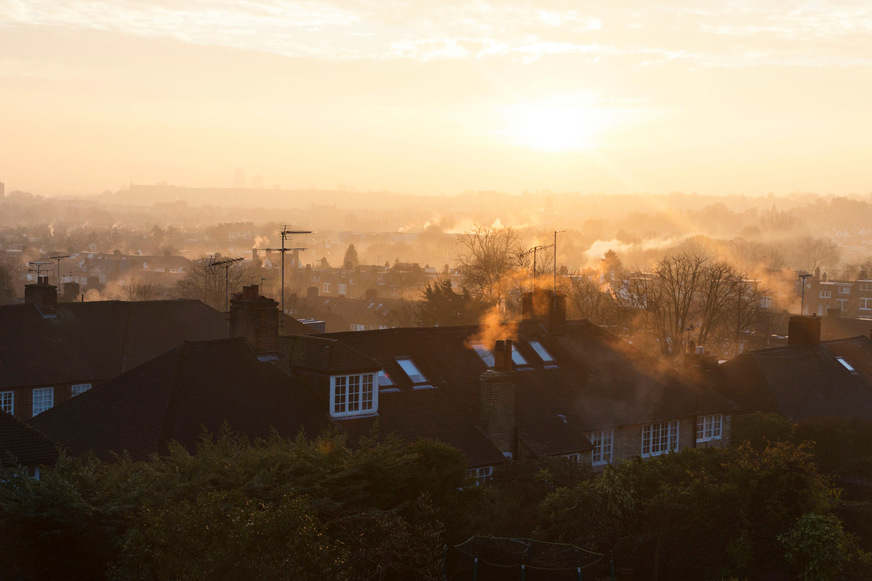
pixel 2 190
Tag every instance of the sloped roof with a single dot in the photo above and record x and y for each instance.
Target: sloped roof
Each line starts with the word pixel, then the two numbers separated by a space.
pixel 199 385
pixel 24 444
pixel 599 382
pixel 96 340
pixel 831 327
pixel 802 381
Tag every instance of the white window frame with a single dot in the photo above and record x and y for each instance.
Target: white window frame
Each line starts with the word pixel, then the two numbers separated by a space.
pixel 865 304
pixel 844 290
pixel 353 395
pixel 574 457
pixel 79 389
pixel 659 438
pixel 342 289
pixel 825 294
pixel 325 287
pixel 481 474
pixel 866 286
pixel 842 304
pixel 7 402
pixel 41 396
pixel 709 428
pixel 603 447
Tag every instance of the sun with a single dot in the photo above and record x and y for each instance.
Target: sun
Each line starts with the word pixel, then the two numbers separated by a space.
pixel 553 127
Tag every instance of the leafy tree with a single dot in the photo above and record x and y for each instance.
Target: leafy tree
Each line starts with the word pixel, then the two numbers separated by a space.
pixel 818 549
pixel 441 306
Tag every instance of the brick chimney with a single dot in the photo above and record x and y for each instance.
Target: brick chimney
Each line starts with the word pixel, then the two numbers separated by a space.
pixel 255 318
pixel 71 292
pixel 43 296
pixel 497 410
pixel 546 307
pixel 804 330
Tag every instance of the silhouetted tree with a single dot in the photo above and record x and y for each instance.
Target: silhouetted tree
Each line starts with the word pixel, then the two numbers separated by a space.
pixel 440 306
pixel 143 290
pixel 350 261
pixel 489 258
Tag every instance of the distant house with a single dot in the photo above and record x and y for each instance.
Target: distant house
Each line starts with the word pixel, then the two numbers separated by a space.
pixel 21 444
pixel 559 389
pixel 804 379
pixel 51 351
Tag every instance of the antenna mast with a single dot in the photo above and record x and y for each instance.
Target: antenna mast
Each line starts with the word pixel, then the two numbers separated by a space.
pixel 225 264
pixel 38 264
pixel 58 258
pixel 802 301
pixel 286 233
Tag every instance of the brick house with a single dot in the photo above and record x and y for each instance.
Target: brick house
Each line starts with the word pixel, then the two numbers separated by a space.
pixel 557 388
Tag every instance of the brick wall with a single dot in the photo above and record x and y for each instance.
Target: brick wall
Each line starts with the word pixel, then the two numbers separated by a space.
pixel 256 319
pixel 497 412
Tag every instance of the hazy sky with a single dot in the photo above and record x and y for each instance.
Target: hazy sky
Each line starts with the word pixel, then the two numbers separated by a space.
pixel 438 96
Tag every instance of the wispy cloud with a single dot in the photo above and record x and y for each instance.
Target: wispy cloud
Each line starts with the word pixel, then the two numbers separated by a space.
pixel 793 33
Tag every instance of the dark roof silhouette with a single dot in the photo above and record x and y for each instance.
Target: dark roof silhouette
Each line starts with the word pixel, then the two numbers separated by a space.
pixel 96 340
pixel 23 444
pixel 802 381
pixel 198 386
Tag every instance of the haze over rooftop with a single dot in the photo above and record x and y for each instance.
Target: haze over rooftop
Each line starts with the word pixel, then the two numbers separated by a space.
pixel 437 97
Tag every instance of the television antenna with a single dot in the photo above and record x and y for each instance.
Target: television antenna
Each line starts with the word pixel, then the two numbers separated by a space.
pixel 286 233
pixel 39 264
pixel 802 301
pixel 225 264
pixel 58 258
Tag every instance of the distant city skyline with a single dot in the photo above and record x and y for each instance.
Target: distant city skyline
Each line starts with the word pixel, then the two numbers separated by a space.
pixel 431 98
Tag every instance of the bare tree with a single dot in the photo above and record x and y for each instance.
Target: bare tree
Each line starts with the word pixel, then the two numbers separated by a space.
pixel 689 296
pixel 814 252
pixel 594 302
pixel 142 290
pixel 489 261
pixel 208 284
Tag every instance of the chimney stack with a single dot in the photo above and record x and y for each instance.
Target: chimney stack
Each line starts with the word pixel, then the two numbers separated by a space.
pixel 43 296
pixel 804 330
pixel 71 292
pixel 256 318
pixel 497 416
pixel 547 308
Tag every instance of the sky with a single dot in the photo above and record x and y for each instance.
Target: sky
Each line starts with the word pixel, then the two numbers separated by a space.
pixel 437 97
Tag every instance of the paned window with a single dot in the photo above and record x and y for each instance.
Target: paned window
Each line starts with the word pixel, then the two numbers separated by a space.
pixel 659 438
pixel 844 290
pixel 342 288
pixel 865 304
pixel 326 287
pixel 481 474
pixel 7 401
pixel 603 446
pixel 79 389
pixel 43 399
pixel 353 394
pixel 825 294
pixel 709 427
pixel 543 353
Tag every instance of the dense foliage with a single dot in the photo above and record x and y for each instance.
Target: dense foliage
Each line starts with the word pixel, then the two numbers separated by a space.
pixel 303 509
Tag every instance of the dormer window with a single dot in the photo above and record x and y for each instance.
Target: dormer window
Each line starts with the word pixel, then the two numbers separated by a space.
pixel 353 395
pixel 415 376
pixel 385 383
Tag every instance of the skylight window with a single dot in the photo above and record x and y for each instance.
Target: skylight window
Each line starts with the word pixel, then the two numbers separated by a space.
pixel 845 364
pixel 543 354
pixel 384 380
pixel 417 378
pixel 484 353
pixel 488 357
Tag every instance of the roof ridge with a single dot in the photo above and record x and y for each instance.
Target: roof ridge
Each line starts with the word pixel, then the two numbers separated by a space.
pixel 168 428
